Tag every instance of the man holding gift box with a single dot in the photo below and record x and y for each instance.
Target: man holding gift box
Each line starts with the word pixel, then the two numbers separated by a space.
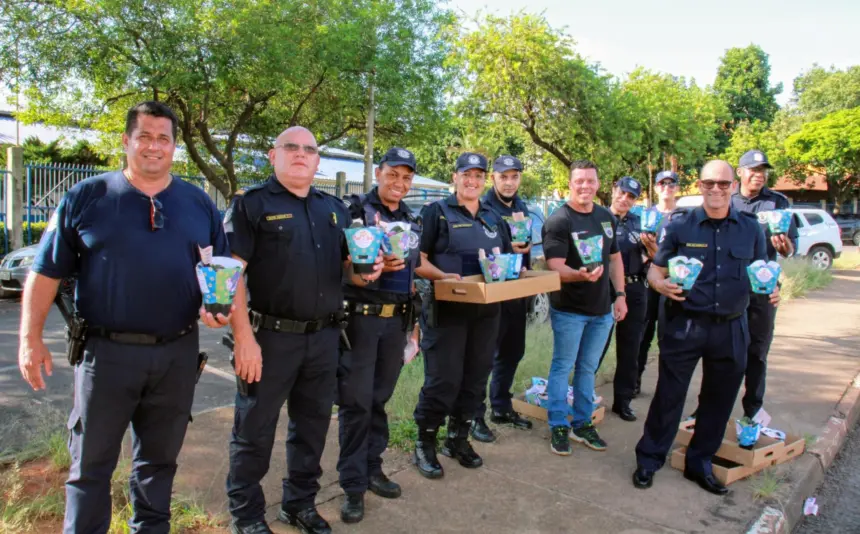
pixel 666 186
pixel 755 197
pixel 709 323
pixel 131 237
pixel 511 342
pixel 291 238
pixel 578 235
pixel 459 340
pixel 628 334
pixel 381 314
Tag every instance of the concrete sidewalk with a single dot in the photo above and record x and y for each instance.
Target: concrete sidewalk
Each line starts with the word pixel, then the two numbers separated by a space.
pixel 523 488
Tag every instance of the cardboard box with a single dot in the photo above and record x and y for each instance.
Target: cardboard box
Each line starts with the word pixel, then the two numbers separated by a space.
pixel 794 447
pixel 765 452
pixel 724 470
pixel 473 288
pixel 536 412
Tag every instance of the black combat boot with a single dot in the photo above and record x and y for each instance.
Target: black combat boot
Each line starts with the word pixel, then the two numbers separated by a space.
pixel 424 457
pixel 457 444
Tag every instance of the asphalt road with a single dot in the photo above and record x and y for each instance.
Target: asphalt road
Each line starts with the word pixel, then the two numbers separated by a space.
pixel 839 496
pixel 25 415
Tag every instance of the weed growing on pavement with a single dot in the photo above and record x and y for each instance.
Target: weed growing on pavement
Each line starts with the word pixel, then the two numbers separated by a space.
pixel 809 439
pixel 402 434
pixel 766 484
pixel 800 277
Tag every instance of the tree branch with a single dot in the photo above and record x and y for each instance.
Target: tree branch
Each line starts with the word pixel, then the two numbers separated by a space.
pixel 294 119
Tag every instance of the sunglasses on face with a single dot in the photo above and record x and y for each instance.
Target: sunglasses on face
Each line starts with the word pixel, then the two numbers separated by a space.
pixel 709 184
pixel 292 148
pixel 156 218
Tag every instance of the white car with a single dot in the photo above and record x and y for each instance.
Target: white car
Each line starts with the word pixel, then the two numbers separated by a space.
pixel 817 236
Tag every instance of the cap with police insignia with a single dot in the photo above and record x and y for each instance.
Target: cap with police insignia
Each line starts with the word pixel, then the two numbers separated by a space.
pixel 399 156
pixel 754 158
pixel 506 163
pixel 470 160
pixel 629 185
pixel 666 175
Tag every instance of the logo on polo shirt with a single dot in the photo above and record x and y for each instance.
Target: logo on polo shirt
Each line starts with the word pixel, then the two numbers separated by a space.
pixel 491 232
pixel 633 238
pixel 607 229
pixel 762 217
pixel 474 160
pixel 413 240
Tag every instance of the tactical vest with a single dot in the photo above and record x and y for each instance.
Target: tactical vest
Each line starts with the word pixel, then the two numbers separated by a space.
pixel 465 237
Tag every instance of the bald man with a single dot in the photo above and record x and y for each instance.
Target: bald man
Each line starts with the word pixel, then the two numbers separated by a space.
pixel 709 323
pixel 289 236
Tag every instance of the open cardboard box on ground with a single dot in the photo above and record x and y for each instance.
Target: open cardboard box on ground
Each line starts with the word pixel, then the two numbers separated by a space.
pixel 475 290
pixel 536 412
pixel 724 470
pixel 767 451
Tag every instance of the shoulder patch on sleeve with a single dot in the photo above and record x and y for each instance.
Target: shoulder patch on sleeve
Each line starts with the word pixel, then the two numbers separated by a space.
pixel 678 213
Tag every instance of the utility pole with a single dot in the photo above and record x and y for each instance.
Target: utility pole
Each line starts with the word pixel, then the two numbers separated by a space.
pixel 368 148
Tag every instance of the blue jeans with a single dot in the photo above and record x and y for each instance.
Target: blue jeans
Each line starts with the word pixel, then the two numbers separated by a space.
pixel 578 342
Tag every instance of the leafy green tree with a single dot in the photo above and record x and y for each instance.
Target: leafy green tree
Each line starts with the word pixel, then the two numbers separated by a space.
pixel 743 82
pixel 818 92
pixel 758 136
pixel 236 71
pixel 831 146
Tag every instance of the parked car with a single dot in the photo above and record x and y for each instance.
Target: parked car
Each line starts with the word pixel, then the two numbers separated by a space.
pixel 14 268
pixel 818 236
pixel 849 228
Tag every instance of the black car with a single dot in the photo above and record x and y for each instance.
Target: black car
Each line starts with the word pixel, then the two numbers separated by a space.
pixel 849 228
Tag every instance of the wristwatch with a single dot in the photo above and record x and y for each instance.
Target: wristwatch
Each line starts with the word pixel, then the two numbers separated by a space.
pixel 620 294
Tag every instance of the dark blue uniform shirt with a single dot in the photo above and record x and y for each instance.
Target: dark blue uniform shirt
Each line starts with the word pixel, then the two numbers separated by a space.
pixel 766 200
pixel 434 234
pixel 294 248
pixel 131 278
pixel 725 247
pixel 630 245
pixel 506 212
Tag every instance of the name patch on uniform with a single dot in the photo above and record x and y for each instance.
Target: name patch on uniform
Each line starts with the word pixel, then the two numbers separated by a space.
pixel 279 217
pixel 696 245
pixel 463 225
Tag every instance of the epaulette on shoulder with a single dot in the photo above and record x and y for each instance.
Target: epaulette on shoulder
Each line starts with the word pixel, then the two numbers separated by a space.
pixel 678 213
pixel 250 189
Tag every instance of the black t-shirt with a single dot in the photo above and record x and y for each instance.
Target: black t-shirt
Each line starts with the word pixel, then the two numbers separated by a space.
pixel 584 298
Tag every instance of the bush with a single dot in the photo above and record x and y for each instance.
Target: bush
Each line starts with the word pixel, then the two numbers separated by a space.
pixel 799 277
pixel 38 228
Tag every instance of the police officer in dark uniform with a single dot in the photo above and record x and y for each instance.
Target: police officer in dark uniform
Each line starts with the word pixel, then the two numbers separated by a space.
pixel 290 236
pixel 460 338
pixel 628 334
pixel 666 186
pixel 710 323
pixel 511 343
pixel 755 197
pixel 381 314
pixel 131 237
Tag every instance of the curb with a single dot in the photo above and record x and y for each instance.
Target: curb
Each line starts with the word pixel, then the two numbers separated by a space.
pixel 809 469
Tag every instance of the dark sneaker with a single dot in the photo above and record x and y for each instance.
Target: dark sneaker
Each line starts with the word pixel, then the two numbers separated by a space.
pixel 510 418
pixel 588 436
pixel 481 432
pixel 559 443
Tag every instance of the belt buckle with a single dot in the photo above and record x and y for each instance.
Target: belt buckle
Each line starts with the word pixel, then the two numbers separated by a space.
pixel 387 311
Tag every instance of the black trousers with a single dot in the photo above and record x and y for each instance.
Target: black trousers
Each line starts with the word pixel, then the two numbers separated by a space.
pixel 652 312
pixel 367 376
pixel 628 337
pixel 458 357
pixel 510 348
pixel 152 388
pixel 723 350
pixel 301 370
pixel 762 316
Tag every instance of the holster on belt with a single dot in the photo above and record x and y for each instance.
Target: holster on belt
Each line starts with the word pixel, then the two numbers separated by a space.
pixel 76 337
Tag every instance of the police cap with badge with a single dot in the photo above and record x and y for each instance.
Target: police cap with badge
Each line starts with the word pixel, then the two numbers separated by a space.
pixel 396 157
pixel 754 158
pixel 629 185
pixel 470 160
pixel 506 163
pixel 666 175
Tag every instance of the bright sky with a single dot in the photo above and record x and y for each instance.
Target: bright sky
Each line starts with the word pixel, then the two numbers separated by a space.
pixel 688 37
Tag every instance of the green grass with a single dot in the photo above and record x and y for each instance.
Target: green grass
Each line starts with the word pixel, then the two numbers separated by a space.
pixel 809 439
pixel 766 484
pixel 848 260
pixel 19 512
pixel 799 277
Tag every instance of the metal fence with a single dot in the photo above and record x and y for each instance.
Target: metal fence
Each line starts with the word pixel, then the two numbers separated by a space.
pixel 3 173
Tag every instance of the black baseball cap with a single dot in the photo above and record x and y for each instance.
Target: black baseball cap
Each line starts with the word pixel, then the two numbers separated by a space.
pixel 470 160
pixel 629 185
pixel 754 158
pixel 399 156
pixel 506 163
pixel 666 175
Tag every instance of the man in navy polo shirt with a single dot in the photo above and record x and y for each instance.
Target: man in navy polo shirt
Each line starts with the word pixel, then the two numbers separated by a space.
pixel 132 239
pixel 511 342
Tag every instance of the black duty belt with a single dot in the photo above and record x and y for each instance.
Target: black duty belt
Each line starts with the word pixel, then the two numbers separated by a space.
pixel 633 278
pixel 280 324
pixel 713 317
pixel 131 338
pixel 381 310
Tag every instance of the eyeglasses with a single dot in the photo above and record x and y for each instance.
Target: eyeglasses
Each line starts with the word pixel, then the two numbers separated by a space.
pixel 668 184
pixel 709 184
pixel 292 148
pixel 156 218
